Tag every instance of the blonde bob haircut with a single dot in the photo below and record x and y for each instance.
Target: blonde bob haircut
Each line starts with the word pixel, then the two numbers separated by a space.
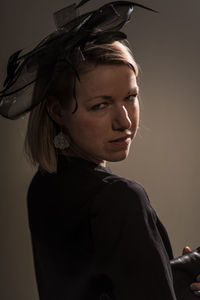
pixel 41 130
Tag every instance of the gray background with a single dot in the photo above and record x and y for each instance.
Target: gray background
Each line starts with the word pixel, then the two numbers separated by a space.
pixel 165 157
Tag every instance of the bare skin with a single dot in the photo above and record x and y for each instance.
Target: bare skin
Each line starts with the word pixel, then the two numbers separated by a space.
pixel 107 117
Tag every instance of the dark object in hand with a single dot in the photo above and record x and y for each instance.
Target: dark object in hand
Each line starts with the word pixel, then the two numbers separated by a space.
pixel 185 270
pixel 189 263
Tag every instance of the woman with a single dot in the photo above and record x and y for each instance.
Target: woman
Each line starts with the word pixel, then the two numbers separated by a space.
pixel 95 234
pixel 94 241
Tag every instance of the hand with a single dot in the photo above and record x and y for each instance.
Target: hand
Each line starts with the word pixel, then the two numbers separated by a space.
pixel 195 286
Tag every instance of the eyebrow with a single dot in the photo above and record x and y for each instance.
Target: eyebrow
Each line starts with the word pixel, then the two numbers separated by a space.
pixel 106 97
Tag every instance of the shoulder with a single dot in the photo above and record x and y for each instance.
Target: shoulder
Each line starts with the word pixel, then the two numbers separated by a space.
pixel 121 194
pixel 117 183
pixel 119 186
pixel 122 205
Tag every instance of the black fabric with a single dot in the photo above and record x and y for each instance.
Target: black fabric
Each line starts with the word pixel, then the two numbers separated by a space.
pixel 96 236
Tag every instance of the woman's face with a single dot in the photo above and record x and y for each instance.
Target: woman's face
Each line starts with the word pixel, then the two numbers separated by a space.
pixel 107 117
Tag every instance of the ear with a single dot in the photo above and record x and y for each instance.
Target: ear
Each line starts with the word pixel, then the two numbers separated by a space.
pixel 55 110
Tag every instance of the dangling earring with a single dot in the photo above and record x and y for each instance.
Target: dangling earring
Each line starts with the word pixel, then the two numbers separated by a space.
pixel 60 141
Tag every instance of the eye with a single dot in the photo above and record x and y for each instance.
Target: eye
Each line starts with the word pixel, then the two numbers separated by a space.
pixel 131 97
pixel 99 106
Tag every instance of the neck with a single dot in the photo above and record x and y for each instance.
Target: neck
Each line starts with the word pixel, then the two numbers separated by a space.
pixel 85 157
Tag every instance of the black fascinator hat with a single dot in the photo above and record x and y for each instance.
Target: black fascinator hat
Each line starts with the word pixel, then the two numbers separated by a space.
pixel 55 52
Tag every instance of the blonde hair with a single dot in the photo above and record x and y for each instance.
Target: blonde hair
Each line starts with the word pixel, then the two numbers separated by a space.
pixel 41 129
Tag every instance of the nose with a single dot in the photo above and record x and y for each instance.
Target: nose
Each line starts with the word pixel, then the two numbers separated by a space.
pixel 121 120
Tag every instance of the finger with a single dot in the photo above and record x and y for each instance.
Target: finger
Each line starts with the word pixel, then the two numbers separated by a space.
pixel 195 286
pixel 197 293
pixel 186 250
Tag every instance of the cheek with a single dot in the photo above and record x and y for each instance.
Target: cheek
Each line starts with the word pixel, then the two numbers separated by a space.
pixel 137 115
pixel 82 128
pixel 134 115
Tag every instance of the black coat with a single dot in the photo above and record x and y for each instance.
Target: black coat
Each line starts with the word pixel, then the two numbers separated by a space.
pixel 95 236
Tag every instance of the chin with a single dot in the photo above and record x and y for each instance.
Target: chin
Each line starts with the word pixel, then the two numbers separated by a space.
pixel 119 157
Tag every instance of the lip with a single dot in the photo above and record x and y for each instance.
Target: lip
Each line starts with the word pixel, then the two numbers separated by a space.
pixel 122 141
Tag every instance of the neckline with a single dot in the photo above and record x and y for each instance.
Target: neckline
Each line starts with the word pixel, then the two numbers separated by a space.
pixel 78 161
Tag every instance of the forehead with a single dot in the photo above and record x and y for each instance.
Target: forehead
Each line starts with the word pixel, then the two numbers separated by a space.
pixel 107 79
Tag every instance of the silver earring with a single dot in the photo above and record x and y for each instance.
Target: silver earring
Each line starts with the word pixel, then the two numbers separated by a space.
pixel 60 141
